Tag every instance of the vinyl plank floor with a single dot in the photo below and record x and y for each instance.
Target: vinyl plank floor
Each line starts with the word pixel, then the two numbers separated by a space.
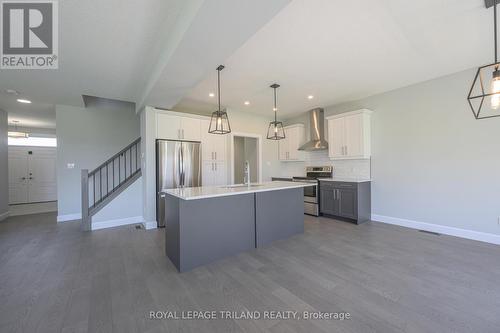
pixel 55 278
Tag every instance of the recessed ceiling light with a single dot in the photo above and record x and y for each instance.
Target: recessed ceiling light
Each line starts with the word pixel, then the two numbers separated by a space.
pixel 25 101
pixel 310 97
pixel 247 103
pixel 211 95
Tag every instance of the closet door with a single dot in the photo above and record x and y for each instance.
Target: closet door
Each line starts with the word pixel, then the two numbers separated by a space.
pixel 18 180
pixel 42 175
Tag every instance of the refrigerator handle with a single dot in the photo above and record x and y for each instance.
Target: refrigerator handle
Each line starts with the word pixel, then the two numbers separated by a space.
pixel 181 152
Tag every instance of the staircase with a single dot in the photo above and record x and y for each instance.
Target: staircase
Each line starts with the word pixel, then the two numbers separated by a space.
pixel 101 185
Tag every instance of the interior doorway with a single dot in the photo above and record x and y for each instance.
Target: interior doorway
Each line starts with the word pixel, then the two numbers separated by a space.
pixel 246 147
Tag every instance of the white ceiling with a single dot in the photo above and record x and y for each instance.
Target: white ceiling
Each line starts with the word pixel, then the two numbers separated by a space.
pixel 160 52
pixel 39 115
pixel 150 52
pixel 341 50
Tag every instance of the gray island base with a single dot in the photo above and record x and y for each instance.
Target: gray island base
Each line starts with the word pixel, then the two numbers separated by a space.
pixel 200 231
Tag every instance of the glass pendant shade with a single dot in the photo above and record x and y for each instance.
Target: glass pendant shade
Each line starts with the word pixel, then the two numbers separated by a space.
pixel 275 131
pixel 484 94
pixel 219 123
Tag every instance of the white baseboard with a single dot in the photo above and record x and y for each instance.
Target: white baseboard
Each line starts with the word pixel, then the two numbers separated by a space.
pixel 445 230
pixel 116 223
pixel 33 208
pixel 3 216
pixel 149 225
pixel 69 217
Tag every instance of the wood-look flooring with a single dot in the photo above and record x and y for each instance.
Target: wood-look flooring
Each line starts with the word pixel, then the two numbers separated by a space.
pixel 55 278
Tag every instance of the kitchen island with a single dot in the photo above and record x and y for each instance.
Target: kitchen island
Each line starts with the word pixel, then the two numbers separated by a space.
pixel 205 224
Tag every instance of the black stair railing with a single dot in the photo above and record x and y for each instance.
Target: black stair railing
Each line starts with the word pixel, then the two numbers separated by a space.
pixel 102 184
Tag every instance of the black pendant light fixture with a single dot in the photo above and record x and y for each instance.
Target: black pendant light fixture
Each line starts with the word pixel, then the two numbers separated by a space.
pixel 219 124
pixel 275 130
pixel 484 95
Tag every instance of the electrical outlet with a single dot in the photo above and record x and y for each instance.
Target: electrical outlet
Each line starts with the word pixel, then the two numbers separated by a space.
pixel 498 220
pixel 71 165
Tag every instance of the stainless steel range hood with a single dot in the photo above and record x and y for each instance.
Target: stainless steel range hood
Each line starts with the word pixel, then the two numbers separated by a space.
pixel 317 131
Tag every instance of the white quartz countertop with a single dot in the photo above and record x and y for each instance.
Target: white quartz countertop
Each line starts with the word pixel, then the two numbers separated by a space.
pixel 204 192
pixel 345 179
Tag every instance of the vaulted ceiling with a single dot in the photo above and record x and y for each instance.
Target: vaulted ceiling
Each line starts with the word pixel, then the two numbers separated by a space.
pixel 164 52
pixel 150 52
pixel 341 50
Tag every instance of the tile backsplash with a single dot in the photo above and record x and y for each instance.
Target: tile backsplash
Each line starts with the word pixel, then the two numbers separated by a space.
pixel 341 168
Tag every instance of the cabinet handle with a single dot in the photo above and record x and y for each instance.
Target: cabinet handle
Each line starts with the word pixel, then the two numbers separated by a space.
pixel 215 155
pixel 346 150
pixel 334 194
pixel 212 167
pixel 215 166
pixel 182 133
pixel 212 155
pixel 179 134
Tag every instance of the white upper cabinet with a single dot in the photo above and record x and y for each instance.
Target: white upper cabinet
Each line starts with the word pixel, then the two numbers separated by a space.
pixel 349 135
pixel 289 147
pixel 178 128
pixel 213 145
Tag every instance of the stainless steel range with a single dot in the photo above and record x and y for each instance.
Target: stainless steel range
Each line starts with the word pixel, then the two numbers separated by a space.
pixel 311 193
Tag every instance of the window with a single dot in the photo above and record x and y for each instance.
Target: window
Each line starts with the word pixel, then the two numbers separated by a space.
pixel 33 141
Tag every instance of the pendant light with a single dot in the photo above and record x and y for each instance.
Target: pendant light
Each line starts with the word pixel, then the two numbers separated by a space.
pixel 219 123
pixel 16 133
pixel 275 130
pixel 484 95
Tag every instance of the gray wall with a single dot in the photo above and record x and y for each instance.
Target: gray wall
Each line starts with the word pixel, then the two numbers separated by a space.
pixel 431 160
pixel 87 137
pixel 239 159
pixel 245 149
pixel 4 181
pixel 250 145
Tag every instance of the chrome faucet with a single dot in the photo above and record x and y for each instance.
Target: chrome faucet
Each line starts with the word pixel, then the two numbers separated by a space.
pixel 246 179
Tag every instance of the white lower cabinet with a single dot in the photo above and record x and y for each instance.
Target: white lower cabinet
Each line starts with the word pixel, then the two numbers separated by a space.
pixel 32 174
pixel 214 173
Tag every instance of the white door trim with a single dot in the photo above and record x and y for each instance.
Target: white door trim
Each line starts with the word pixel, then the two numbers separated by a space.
pixel 231 155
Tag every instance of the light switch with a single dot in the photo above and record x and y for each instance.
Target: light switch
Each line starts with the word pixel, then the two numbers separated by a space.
pixel 71 165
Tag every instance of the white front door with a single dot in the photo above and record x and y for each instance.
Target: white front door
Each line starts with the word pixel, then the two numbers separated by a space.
pixel 18 180
pixel 42 175
pixel 32 174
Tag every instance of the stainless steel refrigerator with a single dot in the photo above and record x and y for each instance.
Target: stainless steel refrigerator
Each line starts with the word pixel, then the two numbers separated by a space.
pixel 178 164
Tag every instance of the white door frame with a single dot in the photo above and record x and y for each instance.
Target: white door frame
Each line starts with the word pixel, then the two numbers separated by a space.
pixel 259 153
